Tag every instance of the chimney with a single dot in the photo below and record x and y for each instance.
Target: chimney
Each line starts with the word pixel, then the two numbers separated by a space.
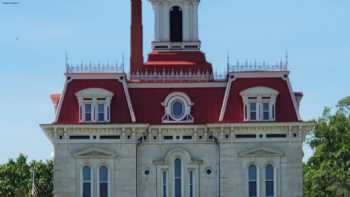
pixel 136 55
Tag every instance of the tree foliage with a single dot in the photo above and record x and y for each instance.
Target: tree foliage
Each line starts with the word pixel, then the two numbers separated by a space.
pixel 16 178
pixel 327 173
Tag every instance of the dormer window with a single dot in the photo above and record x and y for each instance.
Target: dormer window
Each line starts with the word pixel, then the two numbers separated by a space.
pixel 94 105
pixel 259 104
pixel 177 108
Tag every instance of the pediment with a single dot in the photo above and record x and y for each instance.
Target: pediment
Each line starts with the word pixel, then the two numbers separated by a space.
pixel 261 152
pixel 94 153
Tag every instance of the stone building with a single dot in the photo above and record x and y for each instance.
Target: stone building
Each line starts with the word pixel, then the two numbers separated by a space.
pixel 170 127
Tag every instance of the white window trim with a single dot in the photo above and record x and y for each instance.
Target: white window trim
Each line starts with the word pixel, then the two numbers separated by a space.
pixel 259 93
pixel 94 94
pixel 168 117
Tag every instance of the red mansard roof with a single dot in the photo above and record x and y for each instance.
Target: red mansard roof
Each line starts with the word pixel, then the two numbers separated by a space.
pixel 69 112
pixel 285 111
pixel 146 100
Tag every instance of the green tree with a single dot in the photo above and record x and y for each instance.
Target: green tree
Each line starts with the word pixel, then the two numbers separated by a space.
pixel 327 173
pixel 16 178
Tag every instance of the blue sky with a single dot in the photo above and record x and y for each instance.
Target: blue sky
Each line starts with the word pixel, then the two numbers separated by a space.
pixel 35 35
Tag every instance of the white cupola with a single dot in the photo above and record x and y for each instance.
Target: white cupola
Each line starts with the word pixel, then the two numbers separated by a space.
pixel 176 25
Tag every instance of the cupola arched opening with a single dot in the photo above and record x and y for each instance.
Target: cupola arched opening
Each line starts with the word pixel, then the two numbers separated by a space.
pixel 176 20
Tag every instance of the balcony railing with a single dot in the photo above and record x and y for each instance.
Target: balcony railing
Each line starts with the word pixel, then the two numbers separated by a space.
pixel 95 68
pixel 248 66
pixel 172 76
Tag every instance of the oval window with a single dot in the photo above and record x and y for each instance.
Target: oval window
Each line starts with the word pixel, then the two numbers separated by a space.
pixel 178 109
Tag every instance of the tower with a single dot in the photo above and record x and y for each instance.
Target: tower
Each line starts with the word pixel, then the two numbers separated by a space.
pixel 176 45
pixel 176 25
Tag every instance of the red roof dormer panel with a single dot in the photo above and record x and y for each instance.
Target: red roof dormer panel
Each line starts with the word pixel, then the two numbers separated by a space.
pixel 147 103
pixel 69 112
pixel 285 110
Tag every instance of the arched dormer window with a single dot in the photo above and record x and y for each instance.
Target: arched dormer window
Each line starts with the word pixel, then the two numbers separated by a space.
pixel 177 108
pixel 94 105
pixel 259 104
pixel 176 20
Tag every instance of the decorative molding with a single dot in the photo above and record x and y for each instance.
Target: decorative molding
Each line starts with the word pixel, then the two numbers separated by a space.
pixel 168 114
pixel 128 99
pixel 260 152
pixel 95 153
pixel 259 91
pixel 178 85
pixel 94 92
pixel 231 78
pixel 173 75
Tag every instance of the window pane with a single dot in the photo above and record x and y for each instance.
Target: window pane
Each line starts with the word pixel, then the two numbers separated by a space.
pixel 103 174
pixel 191 184
pixel 266 116
pixel 269 176
pixel 266 107
pixel 103 189
pixel 101 108
pixel 266 111
pixel 252 173
pixel 86 174
pixel 177 187
pixel 178 174
pixel 87 190
pixel 87 108
pixel 87 117
pixel 252 189
pixel 269 172
pixel 86 181
pixel 178 168
pixel 269 188
pixel 252 176
pixel 178 108
pixel 253 113
pixel 101 112
pixel 252 106
pixel 164 184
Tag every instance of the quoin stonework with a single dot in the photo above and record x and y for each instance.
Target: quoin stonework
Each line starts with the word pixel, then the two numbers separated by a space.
pixel 170 127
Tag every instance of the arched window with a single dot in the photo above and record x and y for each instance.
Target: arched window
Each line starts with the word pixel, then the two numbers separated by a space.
pixel 252 182
pixel 178 178
pixel 86 181
pixel 269 181
pixel 175 24
pixel 103 181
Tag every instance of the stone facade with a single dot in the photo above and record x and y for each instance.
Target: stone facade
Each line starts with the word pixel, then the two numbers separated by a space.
pixel 218 156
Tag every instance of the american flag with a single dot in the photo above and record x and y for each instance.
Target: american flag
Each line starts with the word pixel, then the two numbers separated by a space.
pixel 34 189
